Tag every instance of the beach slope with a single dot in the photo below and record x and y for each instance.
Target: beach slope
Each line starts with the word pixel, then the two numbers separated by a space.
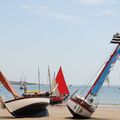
pixel 60 112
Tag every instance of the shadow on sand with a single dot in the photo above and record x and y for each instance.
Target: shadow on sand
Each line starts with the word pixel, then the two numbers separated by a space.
pixel 44 113
pixel 92 118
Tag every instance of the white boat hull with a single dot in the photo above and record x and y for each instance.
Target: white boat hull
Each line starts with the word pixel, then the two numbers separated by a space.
pixel 27 106
pixel 77 110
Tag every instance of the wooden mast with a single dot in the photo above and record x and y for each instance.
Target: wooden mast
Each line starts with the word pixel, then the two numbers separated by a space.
pixel 49 77
pixel 38 79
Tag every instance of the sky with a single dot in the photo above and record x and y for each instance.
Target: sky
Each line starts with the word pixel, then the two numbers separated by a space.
pixel 74 34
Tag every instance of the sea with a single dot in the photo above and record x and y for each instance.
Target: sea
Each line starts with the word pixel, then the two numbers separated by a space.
pixel 108 95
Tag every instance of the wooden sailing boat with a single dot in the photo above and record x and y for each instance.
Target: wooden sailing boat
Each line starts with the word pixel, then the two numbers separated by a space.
pixel 33 92
pixel 61 90
pixel 58 88
pixel 84 107
pixel 22 106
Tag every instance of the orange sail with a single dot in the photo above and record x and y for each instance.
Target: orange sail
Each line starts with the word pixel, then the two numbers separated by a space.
pixel 62 86
pixel 7 85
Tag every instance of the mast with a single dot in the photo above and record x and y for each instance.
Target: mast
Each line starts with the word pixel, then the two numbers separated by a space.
pixel 53 83
pixel 20 83
pixel 49 77
pixel 104 73
pixel 106 65
pixel 25 87
pixel 38 79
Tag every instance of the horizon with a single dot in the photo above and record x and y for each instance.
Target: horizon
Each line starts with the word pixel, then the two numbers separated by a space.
pixel 74 34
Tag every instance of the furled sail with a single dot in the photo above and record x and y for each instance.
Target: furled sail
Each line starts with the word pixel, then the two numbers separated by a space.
pixel 105 72
pixel 54 87
pixel 7 85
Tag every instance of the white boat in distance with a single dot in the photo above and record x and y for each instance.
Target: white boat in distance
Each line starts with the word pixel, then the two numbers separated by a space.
pixel 22 106
pixel 84 107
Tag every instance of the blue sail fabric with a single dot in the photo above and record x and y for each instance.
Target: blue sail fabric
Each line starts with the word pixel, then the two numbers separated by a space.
pixel 105 73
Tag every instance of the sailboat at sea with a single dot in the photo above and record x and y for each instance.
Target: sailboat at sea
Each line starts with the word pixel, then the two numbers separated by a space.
pixel 84 107
pixel 59 88
pixel 22 106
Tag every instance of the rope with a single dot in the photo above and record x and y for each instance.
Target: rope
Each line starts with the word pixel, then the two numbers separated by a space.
pixel 96 74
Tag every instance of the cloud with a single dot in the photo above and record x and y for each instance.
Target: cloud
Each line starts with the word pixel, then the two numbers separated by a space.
pixel 93 2
pixel 106 12
pixel 68 18
pixel 47 11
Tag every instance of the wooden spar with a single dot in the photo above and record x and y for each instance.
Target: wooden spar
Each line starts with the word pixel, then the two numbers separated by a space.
pixel 101 72
pixel 49 78
pixel 38 79
pixel 8 86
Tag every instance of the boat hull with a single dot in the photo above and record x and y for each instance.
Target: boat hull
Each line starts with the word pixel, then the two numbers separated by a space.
pixel 55 100
pixel 26 106
pixel 77 110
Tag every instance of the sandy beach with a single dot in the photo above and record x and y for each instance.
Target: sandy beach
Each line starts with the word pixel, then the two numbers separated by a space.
pixel 60 112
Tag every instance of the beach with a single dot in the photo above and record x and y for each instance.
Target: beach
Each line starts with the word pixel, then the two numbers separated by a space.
pixel 60 112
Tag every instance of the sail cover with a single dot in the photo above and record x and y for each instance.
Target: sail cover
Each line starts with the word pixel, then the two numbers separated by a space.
pixel 62 87
pixel 106 70
pixel 54 87
pixel 7 85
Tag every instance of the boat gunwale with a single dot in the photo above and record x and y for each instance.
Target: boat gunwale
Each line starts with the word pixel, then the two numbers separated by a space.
pixel 82 103
pixel 24 97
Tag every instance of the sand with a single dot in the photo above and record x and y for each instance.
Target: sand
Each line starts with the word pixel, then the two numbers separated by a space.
pixel 60 112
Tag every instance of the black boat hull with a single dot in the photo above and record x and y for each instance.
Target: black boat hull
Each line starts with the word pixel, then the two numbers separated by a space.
pixel 24 107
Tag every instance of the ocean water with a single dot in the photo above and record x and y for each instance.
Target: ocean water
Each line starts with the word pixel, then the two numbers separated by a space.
pixel 107 95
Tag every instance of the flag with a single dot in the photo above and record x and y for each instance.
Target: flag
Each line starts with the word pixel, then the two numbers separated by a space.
pixel 116 38
pixel 107 81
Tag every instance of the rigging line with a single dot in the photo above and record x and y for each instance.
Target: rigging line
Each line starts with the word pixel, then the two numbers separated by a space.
pixel 93 77
pixel 103 70
pixel 96 72
pixel 91 80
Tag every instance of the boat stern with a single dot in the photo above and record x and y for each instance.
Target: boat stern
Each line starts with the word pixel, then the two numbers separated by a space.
pixel 77 110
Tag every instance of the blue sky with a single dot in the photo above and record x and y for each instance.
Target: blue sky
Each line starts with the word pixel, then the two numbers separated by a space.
pixel 72 33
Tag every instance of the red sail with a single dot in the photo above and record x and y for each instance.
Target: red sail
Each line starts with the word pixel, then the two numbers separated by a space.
pixel 7 85
pixel 62 87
